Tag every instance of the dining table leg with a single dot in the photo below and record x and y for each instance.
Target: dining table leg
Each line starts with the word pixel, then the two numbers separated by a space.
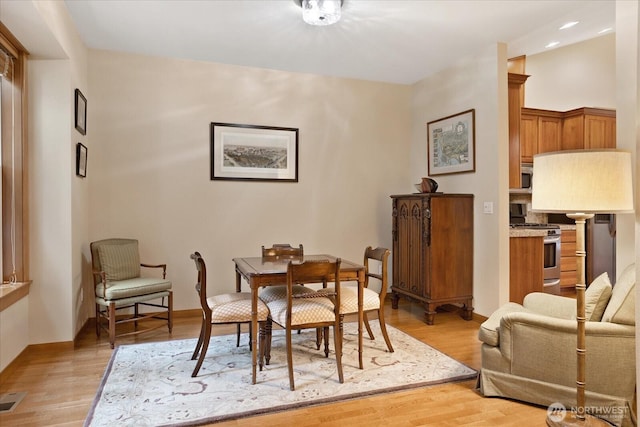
pixel 238 289
pixel 254 330
pixel 360 315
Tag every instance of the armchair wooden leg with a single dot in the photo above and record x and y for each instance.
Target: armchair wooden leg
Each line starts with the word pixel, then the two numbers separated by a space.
pixel 170 311
pixel 112 323
pixel 98 320
pixel 238 335
pixel 136 314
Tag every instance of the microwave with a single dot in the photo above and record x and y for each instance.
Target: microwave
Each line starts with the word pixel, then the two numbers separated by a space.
pixel 527 176
pixel 526 179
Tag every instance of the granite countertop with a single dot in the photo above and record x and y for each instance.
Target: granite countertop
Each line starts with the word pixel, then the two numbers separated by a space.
pixel 527 232
pixel 567 226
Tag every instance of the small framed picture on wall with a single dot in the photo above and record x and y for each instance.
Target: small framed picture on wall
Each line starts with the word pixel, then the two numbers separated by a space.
pixel 81 160
pixel 81 112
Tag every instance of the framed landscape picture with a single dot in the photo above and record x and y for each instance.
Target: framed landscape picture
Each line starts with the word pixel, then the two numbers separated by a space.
pixel 451 144
pixel 250 152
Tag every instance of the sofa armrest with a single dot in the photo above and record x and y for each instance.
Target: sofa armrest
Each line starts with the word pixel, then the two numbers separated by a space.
pixel 550 305
pixel 544 348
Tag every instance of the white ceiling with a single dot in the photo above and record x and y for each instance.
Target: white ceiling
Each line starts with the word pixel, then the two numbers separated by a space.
pixel 391 41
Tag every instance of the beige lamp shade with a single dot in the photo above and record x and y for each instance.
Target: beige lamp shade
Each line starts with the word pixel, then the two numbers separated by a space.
pixel 582 181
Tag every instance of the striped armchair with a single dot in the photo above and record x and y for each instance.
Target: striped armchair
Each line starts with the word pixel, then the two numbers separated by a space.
pixel 119 285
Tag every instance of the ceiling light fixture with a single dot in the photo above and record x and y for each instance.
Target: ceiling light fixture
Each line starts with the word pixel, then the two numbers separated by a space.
pixel 568 25
pixel 320 12
pixel 605 30
pixel 552 44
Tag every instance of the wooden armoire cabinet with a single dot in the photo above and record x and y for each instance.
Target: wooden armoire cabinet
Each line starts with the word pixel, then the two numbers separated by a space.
pixel 433 251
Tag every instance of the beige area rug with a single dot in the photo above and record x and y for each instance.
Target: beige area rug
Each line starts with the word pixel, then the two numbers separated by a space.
pixel 151 384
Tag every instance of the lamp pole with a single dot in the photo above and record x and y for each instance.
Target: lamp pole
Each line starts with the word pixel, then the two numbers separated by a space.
pixel 581 317
pixel 579 417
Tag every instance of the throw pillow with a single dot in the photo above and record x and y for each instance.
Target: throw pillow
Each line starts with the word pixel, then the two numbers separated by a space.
pixel 596 297
pixel 120 262
pixel 622 306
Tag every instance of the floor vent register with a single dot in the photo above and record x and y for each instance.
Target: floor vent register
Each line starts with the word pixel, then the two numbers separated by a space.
pixel 9 401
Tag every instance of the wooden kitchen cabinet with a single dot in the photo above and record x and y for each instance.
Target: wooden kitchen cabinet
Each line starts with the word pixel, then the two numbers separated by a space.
pixel 433 251
pixel 533 131
pixel 568 262
pixel 526 267
pixel 587 128
pixel 528 137
pixel 516 101
pixel 540 132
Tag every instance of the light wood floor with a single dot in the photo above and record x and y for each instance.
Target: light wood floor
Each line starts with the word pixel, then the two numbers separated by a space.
pixel 61 382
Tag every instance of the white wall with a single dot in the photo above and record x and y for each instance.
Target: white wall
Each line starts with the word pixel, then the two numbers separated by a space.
pixel 579 75
pixel 627 121
pixel 479 83
pixel 49 228
pixel 149 160
pixel 628 130
pixel 12 330
pixel 72 228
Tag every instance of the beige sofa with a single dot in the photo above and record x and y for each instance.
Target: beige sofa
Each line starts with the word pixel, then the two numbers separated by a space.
pixel 529 350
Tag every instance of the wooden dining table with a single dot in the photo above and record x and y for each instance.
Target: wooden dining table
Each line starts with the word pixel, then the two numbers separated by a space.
pixel 259 272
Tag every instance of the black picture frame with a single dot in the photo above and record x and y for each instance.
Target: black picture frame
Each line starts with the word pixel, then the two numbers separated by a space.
pixel 81 112
pixel 254 153
pixel 81 160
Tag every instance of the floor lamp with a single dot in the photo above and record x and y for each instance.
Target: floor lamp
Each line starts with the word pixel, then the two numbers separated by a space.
pixel 580 184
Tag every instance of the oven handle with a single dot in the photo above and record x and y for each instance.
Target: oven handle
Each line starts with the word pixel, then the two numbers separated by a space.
pixel 552 238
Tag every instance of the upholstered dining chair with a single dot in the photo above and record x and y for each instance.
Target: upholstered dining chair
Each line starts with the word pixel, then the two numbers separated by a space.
pixel 118 285
pixel 277 251
pixel 373 299
pixel 220 309
pixel 281 251
pixel 308 310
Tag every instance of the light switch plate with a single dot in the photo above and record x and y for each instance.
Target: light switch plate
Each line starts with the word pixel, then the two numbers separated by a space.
pixel 488 207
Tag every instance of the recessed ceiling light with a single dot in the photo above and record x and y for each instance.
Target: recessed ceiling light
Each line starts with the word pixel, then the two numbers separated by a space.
pixel 552 44
pixel 568 25
pixel 605 30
